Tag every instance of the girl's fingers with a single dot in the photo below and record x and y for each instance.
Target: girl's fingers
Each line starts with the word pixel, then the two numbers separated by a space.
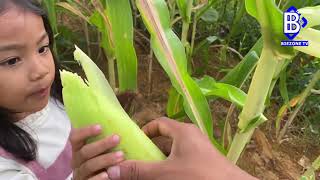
pixel 101 162
pixel 101 176
pixel 94 149
pixel 79 136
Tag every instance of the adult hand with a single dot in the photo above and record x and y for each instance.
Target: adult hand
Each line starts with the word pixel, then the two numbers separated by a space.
pixel 192 157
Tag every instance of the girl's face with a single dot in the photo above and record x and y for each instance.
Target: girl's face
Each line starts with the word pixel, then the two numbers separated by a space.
pixel 26 63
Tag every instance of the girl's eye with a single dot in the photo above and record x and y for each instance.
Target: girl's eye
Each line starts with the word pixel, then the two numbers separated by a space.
pixel 11 62
pixel 43 49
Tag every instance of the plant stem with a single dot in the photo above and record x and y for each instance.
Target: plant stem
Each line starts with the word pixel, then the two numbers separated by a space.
pixel 227 131
pixel 184 40
pixel 150 71
pixel 86 33
pixel 112 74
pixel 193 36
pixel 239 141
pixel 135 13
pixel 255 103
pixel 185 31
pixel 172 12
pixel 111 71
pixel 302 99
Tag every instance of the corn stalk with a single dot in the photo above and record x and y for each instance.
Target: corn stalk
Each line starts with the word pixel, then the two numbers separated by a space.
pixel 269 66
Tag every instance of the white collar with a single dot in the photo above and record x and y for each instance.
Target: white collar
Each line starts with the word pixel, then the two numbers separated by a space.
pixel 36 119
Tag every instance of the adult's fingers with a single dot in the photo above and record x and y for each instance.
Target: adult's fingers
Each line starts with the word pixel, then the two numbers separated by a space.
pixel 129 170
pixel 163 127
pixel 101 162
pixel 101 176
pixel 80 135
pixel 96 148
pixel 164 144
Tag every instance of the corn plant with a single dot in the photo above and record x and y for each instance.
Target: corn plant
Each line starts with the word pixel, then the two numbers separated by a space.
pixel 116 29
pixel 272 61
pixel 171 55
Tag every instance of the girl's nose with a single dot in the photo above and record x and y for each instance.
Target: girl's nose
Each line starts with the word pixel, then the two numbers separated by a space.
pixel 38 68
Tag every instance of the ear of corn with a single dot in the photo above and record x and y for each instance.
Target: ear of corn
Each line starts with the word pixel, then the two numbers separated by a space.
pixel 93 102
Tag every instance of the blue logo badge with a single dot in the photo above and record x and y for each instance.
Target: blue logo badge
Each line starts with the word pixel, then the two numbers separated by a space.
pixel 293 22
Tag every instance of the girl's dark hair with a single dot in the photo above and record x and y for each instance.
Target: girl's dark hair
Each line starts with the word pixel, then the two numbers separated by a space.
pixel 13 139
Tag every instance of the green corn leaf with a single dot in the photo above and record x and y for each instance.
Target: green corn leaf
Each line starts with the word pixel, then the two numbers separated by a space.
pixel 175 103
pixel 116 28
pixel 239 74
pixel 106 41
pixel 270 18
pixel 171 55
pixel 51 8
pixel 297 4
pixel 73 8
pixel 120 15
pixel 210 16
pixel 236 77
pixel 313 36
pixel 272 28
pixel 312 15
pixel 212 90
pixel 94 102
pixel 185 7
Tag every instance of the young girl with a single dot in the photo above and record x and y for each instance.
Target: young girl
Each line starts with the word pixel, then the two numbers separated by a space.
pixel 34 128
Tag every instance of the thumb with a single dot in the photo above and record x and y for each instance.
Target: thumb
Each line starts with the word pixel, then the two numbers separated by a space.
pixel 132 170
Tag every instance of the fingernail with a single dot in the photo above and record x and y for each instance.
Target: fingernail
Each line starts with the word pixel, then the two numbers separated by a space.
pixel 115 138
pixel 97 128
pixel 114 172
pixel 119 154
pixel 104 175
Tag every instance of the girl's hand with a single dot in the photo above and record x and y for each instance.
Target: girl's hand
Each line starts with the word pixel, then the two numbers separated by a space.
pixel 90 161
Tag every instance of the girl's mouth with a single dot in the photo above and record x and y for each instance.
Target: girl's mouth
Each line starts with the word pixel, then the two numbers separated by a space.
pixel 42 93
